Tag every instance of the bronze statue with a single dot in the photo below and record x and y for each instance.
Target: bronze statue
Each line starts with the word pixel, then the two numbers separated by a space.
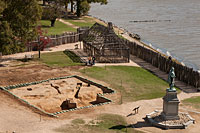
pixel 171 79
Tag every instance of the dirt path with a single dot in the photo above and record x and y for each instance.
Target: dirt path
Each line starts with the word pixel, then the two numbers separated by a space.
pixel 131 63
pixel 68 23
pixel 52 49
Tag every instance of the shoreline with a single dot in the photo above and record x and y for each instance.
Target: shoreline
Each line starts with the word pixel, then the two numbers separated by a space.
pixel 125 32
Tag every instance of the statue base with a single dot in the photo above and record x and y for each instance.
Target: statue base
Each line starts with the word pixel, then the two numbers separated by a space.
pixel 171 89
pixel 170 105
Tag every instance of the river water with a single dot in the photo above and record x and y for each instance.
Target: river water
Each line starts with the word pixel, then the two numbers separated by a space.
pixel 169 25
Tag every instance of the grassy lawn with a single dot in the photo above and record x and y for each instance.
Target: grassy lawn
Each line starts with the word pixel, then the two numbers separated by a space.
pixel 193 101
pixel 58 59
pixel 108 123
pixel 134 83
pixel 78 121
pixel 59 27
pixel 85 21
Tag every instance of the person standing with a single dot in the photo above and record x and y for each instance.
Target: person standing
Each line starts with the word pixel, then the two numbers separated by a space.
pixel 89 60
pixel 93 60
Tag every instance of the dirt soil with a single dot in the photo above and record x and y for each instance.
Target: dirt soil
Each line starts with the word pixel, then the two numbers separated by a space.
pixel 30 73
pixel 49 99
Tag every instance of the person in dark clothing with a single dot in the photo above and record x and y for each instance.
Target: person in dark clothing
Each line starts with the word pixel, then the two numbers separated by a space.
pixel 93 60
pixel 89 60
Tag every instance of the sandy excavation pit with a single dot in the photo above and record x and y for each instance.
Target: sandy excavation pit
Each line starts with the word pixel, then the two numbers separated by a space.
pixel 48 98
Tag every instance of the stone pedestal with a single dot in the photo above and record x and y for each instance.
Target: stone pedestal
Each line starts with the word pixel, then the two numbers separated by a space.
pixel 170 105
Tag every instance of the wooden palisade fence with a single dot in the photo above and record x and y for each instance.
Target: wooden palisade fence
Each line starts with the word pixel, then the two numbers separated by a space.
pixel 183 73
pixel 65 38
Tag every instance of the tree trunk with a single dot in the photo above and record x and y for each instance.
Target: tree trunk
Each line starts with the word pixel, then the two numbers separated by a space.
pixel 78 12
pixel 53 22
pixel 44 2
pixel 66 6
pixel 72 6
pixel 39 52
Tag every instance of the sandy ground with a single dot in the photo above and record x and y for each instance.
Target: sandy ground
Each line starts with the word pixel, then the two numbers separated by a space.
pixel 47 97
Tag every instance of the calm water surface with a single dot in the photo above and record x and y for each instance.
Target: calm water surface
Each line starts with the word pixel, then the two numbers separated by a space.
pixel 176 26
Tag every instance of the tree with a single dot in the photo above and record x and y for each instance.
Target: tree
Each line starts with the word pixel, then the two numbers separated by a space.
pixel 17 20
pixel 43 40
pixel 78 8
pixel 83 6
pixel 53 10
pixel 72 5
pixel 2 5
pixel 6 38
pixel 66 2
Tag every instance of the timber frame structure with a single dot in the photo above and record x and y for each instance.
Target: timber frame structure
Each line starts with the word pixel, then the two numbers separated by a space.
pixel 107 47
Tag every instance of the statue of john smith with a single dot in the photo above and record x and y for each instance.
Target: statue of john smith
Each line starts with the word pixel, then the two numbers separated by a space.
pixel 171 79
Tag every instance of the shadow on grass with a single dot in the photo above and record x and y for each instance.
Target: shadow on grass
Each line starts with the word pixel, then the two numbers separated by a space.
pixel 45 26
pixel 73 56
pixel 139 124
pixel 72 16
pixel 29 59
pixel 118 127
pixel 25 60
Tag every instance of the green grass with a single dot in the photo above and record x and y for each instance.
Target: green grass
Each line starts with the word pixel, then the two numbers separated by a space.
pixel 134 83
pixel 72 56
pixel 78 121
pixel 193 101
pixel 57 59
pixel 108 123
pixel 59 27
pixel 82 23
